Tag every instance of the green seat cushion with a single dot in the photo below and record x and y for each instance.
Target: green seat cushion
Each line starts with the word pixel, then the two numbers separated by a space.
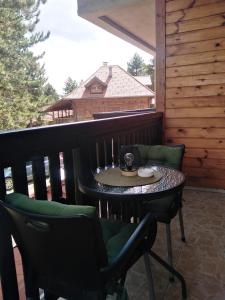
pixel 115 236
pixel 161 155
pixel 49 208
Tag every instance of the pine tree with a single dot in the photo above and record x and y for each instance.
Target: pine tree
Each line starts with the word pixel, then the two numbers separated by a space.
pixel 69 85
pixel 136 65
pixel 51 93
pixel 22 78
pixel 150 70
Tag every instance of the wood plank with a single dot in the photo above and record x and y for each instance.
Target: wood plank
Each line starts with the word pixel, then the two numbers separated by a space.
pixel 198 142
pixel 39 178
pixel 196 24
pixel 195 36
pixel 55 177
pixel 204 112
pixel 178 5
pixel 196 12
pixel 205 153
pixel 195 122
pixel 199 69
pixel 196 47
pixel 204 172
pixel 197 91
pixel 196 80
pixel 196 58
pixel 160 55
pixel 204 182
pixel 204 163
pixel 175 5
pixel 216 101
pixel 205 132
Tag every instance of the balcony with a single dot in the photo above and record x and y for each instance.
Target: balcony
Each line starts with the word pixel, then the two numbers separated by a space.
pixel 190 57
pixel 102 138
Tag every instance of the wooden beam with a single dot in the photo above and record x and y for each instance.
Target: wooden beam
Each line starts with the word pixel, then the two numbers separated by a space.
pixel 160 55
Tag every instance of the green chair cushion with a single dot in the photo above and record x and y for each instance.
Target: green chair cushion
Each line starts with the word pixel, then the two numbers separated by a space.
pixel 49 208
pixel 115 236
pixel 161 155
pixel 164 208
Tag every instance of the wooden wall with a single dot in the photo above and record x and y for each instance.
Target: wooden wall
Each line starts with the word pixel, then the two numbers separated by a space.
pixel 85 108
pixel 195 87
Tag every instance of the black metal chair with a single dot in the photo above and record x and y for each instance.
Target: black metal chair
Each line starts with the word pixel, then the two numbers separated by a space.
pixel 67 251
pixel 166 208
pixel 85 174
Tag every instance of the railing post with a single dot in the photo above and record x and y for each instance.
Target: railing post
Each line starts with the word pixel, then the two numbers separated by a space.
pixel 7 262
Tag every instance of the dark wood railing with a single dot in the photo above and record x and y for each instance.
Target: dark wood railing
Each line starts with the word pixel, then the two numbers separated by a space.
pixel 103 138
pixel 33 145
pixel 113 114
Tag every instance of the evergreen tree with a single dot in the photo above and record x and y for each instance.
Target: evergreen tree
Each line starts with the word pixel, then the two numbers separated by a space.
pixel 51 93
pixel 150 70
pixel 69 86
pixel 22 78
pixel 136 65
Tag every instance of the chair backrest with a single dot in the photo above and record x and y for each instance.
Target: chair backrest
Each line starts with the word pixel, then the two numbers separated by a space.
pixel 170 156
pixel 61 244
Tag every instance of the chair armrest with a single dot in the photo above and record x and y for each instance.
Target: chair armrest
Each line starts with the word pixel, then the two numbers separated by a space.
pixel 133 249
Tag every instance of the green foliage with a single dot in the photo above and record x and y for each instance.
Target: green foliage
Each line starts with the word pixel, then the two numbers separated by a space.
pixel 51 93
pixel 69 85
pixel 150 70
pixel 22 78
pixel 137 67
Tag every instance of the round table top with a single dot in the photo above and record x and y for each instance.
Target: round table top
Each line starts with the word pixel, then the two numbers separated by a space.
pixel 172 181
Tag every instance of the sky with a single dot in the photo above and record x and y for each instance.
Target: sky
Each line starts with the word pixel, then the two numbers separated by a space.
pixel 76 47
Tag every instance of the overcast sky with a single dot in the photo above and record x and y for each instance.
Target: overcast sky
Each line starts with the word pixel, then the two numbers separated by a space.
pixel 77 48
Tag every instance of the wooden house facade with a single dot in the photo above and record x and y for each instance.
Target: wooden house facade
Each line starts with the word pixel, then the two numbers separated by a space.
pixel 195 87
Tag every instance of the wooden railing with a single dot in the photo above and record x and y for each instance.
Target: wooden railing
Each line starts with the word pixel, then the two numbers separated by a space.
pixel 102 138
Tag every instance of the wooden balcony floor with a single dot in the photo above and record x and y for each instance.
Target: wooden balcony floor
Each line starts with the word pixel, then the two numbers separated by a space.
pixel 201 260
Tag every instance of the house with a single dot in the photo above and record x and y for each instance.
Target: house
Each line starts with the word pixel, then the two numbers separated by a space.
pixel 109 89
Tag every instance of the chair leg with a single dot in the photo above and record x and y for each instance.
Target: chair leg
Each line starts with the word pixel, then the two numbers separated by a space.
pixel 169 248
pixel 181 225
pixel 123 279
pixel 173 271
pixel 149 277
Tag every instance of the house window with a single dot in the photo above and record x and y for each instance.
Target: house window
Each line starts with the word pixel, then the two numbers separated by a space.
pixel 96 89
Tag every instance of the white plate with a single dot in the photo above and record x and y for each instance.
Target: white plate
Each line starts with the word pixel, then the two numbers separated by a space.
pixel 145 172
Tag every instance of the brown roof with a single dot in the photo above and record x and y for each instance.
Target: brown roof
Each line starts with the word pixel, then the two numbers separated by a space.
pixel 115 81
pixel 145 80
pixel 119 84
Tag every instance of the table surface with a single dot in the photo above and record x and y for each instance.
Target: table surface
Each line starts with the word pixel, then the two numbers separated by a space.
pixel 172 181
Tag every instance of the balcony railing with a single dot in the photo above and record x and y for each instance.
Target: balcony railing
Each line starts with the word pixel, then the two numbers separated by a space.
pixel 102 138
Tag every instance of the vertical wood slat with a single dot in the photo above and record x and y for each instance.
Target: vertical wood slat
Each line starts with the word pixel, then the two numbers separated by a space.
pixel 55 177
pixel 7 261
pixel 19 175
pixel 2 184
pixel 160 56
pixel 108 151
pixel 69 177
pixel 39 178
pixel 101 153
pixel 117 146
